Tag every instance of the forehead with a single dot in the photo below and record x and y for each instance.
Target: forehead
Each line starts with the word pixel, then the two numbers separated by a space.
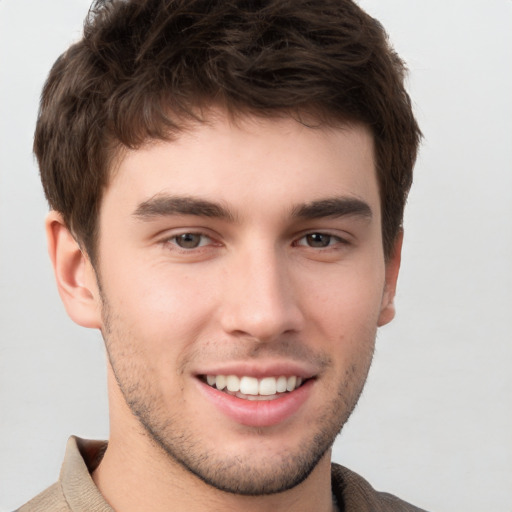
pixel 250 163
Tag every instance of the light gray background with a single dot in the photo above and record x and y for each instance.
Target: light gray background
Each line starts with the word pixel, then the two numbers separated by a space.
pixel 435 422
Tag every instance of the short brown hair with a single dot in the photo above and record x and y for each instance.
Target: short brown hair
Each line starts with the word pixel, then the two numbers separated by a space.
pixel 146 67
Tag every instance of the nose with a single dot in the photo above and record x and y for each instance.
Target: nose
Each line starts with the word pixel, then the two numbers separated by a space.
pixel 260 299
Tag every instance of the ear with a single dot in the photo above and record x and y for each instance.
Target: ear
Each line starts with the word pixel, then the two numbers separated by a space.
pixel 387 312
pixel 75 276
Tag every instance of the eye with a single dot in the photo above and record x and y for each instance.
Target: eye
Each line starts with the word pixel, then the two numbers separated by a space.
pixel 190 240
pixel 319 240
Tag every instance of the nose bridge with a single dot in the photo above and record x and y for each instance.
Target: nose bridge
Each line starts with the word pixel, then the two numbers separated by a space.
pixel 260 302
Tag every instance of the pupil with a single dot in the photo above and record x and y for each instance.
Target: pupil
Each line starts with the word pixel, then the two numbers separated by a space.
pixel 318 240
pixel 188 240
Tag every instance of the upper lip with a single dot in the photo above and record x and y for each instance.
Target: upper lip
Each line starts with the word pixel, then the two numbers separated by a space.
pixel 261 369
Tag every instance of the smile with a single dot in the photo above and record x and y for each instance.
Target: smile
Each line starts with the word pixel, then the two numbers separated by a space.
pixel 251 388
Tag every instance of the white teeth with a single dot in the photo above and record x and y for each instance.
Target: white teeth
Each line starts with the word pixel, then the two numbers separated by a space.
pixel 291 383
pixel 220 382
pixel 281 384
pixel 253 387
pixel 267 386
pixel 249 386
pixel 233 383
pixel 257 398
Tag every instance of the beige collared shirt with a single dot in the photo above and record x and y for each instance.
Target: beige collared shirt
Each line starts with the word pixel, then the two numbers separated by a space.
pixel 75 490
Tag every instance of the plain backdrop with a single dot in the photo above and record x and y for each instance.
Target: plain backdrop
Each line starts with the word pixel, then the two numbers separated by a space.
pixel 434 425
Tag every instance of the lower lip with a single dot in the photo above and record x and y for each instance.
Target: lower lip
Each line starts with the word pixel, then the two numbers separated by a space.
pixel 258 413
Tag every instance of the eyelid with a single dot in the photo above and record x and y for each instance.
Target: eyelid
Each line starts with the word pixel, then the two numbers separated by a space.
pixel 203 240
pixel 170 238
pixel 342 240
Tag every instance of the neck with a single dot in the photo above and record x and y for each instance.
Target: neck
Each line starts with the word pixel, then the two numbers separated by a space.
pixel 129 486
pixel 136 474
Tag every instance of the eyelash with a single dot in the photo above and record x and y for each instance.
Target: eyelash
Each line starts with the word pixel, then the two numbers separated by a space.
pixel 205 240
pixel 331 238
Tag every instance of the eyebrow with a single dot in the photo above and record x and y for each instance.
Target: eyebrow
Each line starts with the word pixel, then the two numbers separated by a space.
pixel 162 205
pixel 333 207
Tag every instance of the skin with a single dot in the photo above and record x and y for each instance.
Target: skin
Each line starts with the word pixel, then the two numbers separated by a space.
pixel 288 276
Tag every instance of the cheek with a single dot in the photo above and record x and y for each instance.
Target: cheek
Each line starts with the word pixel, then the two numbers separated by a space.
pixel 160 313
pixel 347 301
pixel 165 315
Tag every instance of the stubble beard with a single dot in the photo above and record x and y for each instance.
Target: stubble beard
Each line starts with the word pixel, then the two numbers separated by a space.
pixel 239 475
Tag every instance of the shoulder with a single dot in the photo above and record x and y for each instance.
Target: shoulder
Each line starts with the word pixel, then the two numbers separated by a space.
pixel 50 500
pixel 358 495
pixel 75 489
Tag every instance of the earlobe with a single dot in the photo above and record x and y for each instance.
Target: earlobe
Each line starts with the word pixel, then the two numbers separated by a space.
pixel 387 312
pixel 74 274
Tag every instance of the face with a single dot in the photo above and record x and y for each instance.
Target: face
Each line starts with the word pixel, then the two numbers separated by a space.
pixel 242 282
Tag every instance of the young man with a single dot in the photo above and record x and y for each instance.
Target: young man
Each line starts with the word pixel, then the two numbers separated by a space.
pixel 227 183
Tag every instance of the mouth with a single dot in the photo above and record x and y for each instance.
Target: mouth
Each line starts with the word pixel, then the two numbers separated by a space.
pixel 257 397
pixel 252 388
